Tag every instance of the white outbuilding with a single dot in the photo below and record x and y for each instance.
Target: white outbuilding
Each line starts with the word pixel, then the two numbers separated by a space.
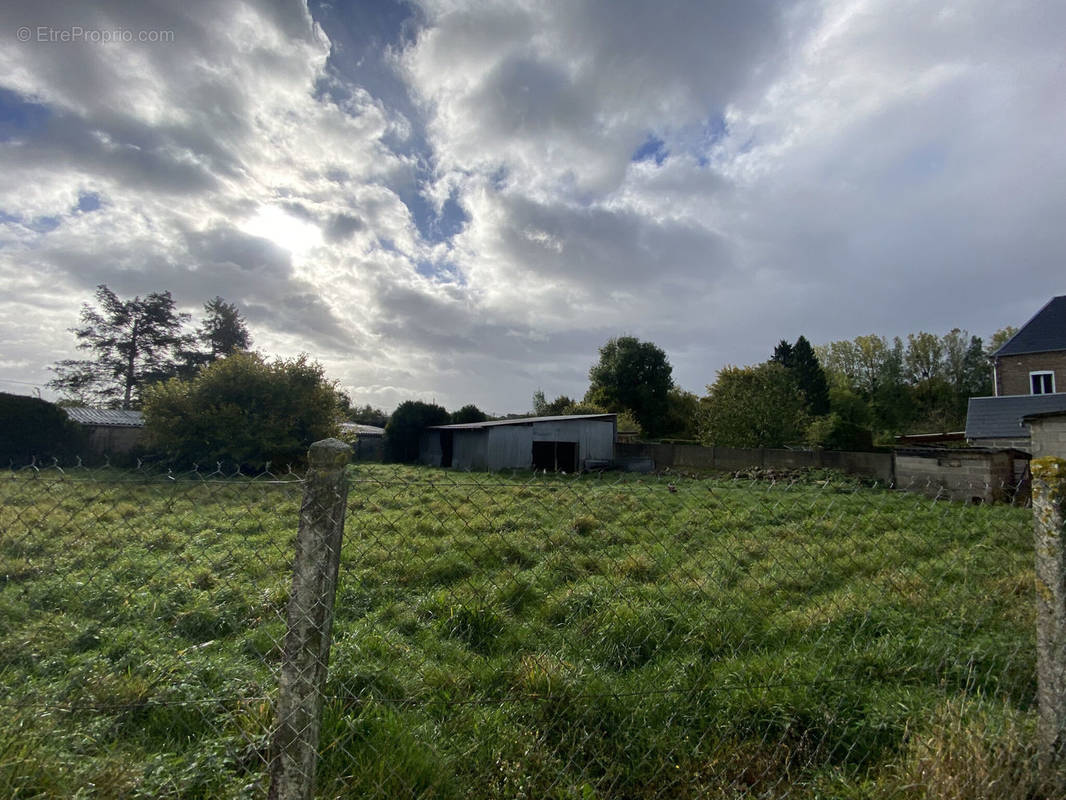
pixel 564 444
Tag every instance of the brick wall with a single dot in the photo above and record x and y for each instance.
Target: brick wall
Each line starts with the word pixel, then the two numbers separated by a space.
pixel 1012 372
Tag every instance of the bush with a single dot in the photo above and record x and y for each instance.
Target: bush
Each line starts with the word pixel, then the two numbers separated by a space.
pixel 242 409
pixel 406 425
pixel 467 414
pixel 831 432
pixel 33 427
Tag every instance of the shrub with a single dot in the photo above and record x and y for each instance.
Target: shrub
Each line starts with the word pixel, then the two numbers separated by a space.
pixel 406 425
pixel 36 428
pixel 242 409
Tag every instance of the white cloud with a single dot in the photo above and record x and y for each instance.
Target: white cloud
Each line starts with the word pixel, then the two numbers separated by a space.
pixel 825 168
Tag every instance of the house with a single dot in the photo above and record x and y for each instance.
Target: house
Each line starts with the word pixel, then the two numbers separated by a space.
pixel 564 444
pixel 110 430
pixel 1029 377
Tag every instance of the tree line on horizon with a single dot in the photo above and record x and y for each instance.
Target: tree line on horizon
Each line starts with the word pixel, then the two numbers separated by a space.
pixel 847 394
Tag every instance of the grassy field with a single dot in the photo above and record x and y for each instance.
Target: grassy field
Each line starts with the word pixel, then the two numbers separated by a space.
pixel 520 637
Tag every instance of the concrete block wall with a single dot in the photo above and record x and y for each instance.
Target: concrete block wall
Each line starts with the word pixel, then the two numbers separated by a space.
pixel 956 474
pixel 1048 436
pixel 678 456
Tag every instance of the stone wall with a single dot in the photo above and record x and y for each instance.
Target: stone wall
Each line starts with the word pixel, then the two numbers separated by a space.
pixel 1012 372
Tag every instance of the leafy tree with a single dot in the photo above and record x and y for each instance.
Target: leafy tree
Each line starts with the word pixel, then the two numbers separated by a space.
pixel 847 427
pixel 369 415
pixel 1000 338
pixel 976 371
pixel 924 357
pixel 756 406
pixel 557 407
pixel 406 425
pixel 635 376
pixel 242 409
pixel 892 400
pixel 682 415
pixel 467 414
pixel 133 342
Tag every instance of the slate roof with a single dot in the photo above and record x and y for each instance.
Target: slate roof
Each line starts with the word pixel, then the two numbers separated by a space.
pixel 520 421
pixel 1001 417
pixel 107 417
pixel 1045 331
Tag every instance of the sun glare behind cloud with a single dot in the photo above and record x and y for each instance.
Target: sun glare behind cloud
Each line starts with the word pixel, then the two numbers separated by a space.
pixel 286 231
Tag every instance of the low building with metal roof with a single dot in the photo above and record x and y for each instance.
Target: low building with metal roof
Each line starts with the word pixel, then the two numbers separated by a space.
pixel 560 443
pixel 110 430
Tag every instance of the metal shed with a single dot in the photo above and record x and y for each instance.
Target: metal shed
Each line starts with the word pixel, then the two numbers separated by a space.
pixel 562 444
pixel 111 430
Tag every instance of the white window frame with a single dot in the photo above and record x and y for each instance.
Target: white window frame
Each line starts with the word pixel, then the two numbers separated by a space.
pixel 1041 373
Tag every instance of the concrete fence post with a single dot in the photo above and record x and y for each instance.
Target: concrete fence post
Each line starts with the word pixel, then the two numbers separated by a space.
pixel 294 748
pixel 1049 511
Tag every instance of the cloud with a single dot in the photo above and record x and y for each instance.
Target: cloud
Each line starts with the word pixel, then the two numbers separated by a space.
pixel 463 201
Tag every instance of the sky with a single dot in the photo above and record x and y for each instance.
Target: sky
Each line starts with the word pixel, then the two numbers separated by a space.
pixel 461 201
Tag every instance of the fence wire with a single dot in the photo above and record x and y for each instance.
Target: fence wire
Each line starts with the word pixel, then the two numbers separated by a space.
pixel 521 636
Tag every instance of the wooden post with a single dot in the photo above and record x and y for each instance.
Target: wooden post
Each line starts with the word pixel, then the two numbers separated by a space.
pixel 294 748
pixel 1049 513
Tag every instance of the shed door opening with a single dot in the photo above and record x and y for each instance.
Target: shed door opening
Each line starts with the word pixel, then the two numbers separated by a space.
pixel 447 447
pixel 555 456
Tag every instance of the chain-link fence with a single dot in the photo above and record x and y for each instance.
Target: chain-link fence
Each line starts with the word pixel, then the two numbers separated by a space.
pixel 521 636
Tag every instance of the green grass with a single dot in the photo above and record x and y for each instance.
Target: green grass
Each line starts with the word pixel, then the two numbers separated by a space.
pixel 504 637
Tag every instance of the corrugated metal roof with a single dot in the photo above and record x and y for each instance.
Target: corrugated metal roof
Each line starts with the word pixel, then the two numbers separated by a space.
pixel 362 430
pixel 1001 417
pixel 1045 331
pixel 110 417
pixel 520 421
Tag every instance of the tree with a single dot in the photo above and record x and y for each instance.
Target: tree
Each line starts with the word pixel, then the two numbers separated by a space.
pixel 682 415
pixel 369 415
pixel 221 333
pixel 1000 338
pixel 783 354
pixel 242 409
pixel 847 427
pixel 635 376
pixel 406 425
pixel 756 406
pixel 557 407
pixel 802 363
pixel 976 371
pixel 467 414
pixel 924 357
pixel 133 342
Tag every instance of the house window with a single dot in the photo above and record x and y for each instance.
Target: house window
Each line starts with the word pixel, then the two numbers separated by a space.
pixel 1042 382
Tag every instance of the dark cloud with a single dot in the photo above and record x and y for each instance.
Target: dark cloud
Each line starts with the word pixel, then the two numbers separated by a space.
pixel 342 226
pixel 480 196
